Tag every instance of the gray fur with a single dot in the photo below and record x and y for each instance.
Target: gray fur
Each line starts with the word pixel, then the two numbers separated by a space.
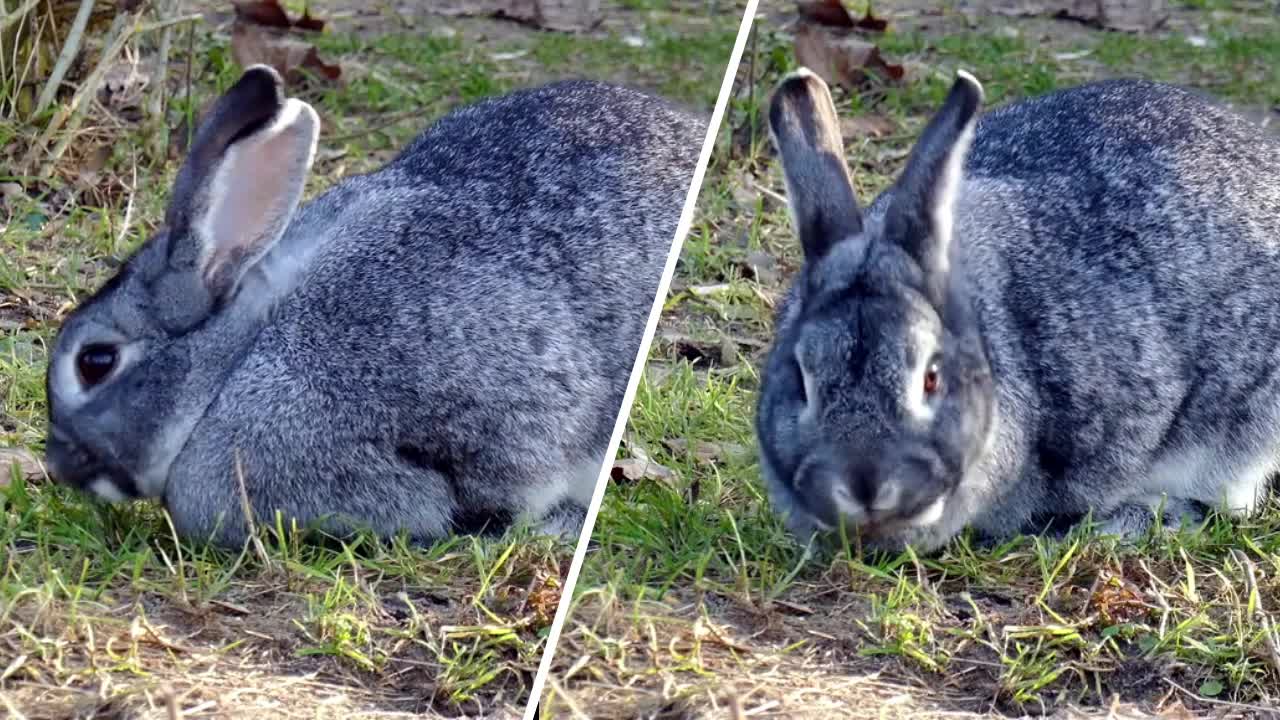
pixel 1108 323
pixel 440 345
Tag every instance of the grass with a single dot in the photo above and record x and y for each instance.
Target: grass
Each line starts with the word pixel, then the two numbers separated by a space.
pixel 103 612
pixel 695 602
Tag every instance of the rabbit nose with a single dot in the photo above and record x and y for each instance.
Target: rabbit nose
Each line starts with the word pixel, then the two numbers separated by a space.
pixel 863 484
pixel 65 458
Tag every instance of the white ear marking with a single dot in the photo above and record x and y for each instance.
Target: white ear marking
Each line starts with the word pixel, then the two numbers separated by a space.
pixel 968 76
pixel 943 210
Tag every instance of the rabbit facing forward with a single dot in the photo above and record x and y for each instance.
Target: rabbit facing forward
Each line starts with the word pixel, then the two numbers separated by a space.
pixel 439 346
pixel 1066 307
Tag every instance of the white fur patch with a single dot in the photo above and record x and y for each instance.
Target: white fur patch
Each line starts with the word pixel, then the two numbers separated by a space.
pixel 929 515
pixel 107 490
pixel 577 482
pixel 943 211
pixel 1236 484
pixel 846 505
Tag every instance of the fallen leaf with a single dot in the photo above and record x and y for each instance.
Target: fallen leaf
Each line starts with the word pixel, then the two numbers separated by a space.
pixel 292 58
pixel 640 469
pixel 871 23
pixel 841 58
pixel 544 598
pixel 563 15
pixel 263 33
pixel 831 13
pixel 1116 599
pixel 28 464
pixel 267 13
pixel 707 452
pixel 306 22
pixel 865 126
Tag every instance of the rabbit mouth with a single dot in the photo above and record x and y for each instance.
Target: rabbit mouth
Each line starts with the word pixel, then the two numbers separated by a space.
pixel 74 465
pixel 882 524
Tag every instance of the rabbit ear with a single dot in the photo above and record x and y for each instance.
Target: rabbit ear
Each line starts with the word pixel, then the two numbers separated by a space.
pixel 241 183
pixel 806 131
pixel 919 216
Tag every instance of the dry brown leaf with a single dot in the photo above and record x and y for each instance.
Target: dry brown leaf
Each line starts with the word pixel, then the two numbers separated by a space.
pixel 563 15
pixel 28 464
pixel 841 58
pixel 1117 599
pixel 831 13
pixel 707 452
pixel 292 58
pixel 640 469
pixel 263 33
pixel 266 13
pixel 865 126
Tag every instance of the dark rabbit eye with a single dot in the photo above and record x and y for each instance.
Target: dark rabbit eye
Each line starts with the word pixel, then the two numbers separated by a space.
pixel 932 377
pixel 95 362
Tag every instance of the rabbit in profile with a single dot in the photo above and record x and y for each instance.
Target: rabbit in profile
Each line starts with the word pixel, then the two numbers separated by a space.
pixel 438 346
pixel 1067 307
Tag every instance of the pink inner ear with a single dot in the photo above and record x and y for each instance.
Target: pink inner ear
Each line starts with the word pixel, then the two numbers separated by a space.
pixel 253 193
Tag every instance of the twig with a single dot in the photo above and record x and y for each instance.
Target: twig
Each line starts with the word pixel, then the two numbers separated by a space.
pixel 123 28
pixel 386 123
pixel 1269 632
pixel 74 110
pixel 70 49
pixel 574 708
pixel 156 102
pixel 162 24
pixel 1225 703
pixel 247 508
pixel 128 209
pixel 17 15
pixel 14 712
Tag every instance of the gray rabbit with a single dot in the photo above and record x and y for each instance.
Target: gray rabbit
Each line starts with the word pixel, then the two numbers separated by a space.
pixel 1067 307
pixel 438 346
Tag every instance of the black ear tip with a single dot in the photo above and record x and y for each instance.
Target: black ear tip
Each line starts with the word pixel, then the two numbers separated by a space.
pixel 801 82
pixel 799 92
pixel 969 86
pixel 263 84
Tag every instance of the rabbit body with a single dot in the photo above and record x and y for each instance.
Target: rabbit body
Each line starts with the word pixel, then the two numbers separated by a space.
pixel 441 345
pixel 1103 309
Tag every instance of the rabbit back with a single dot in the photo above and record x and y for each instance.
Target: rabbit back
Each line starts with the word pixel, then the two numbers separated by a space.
pixel 455 352
pixel 1121 239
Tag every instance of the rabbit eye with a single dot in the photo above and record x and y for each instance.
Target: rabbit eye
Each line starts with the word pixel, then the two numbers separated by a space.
pixel 932 378
pixel 95 362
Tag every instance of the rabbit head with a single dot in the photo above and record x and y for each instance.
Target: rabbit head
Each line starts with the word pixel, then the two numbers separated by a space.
pixel 135 365
pixel 877 395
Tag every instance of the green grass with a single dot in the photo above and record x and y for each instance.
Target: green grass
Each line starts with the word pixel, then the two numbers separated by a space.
pixel 102 610
pixel 694 597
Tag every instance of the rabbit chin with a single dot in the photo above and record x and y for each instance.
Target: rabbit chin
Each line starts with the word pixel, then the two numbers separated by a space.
pixel 884 524
pixel 106 489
